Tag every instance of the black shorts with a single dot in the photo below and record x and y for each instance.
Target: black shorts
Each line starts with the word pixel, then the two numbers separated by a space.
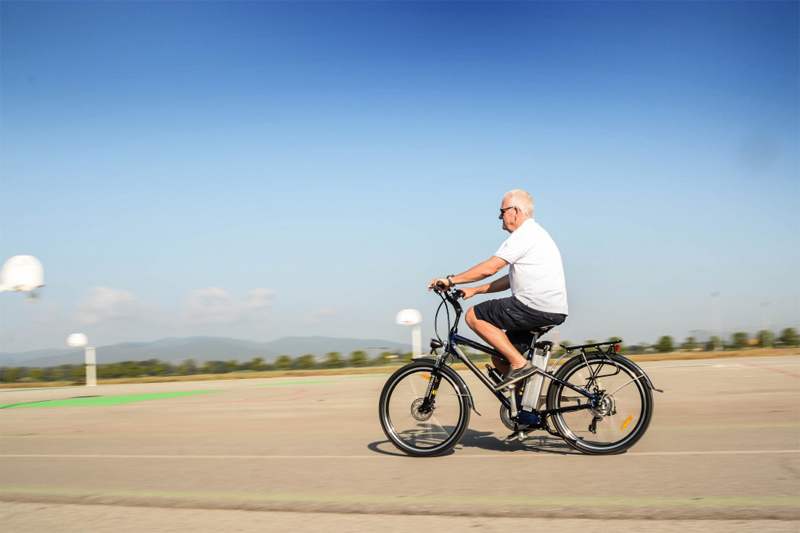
pixel 517 319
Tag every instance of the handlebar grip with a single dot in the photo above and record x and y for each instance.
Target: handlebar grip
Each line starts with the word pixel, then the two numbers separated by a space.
pixel 440 285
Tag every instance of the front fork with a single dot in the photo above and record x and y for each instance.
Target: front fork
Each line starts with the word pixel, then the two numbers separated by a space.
pixel 430 393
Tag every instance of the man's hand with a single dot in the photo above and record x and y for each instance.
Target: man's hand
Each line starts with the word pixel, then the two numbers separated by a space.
pixel 432 284
pixel 469 292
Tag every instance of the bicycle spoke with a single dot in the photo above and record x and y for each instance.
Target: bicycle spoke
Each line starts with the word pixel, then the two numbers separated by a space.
pixel 417 428
pixel 623 386
pixel 621 414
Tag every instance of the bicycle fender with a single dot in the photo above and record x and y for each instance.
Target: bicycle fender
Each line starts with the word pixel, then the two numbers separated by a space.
pixel 456 377
pixel 647 379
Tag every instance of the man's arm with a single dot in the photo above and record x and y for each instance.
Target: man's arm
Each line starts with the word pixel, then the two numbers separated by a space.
pixel 498 285
pixel 488 268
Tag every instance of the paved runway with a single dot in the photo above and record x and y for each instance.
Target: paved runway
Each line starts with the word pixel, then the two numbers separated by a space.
pixel 723 446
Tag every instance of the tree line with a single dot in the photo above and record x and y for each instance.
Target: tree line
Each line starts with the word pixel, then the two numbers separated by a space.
pixel 359 358
pixel 737 341
pixel 189 367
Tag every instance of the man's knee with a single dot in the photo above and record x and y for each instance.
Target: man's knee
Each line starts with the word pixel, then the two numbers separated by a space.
pixel 471 318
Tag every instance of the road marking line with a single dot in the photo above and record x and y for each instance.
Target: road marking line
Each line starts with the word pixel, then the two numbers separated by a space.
pixel 98 400
pixel 729 364
pixel 720 452
pixel 199 435
pixel 491 500
pixel 778 370
pixel 727 426
pixel 374 456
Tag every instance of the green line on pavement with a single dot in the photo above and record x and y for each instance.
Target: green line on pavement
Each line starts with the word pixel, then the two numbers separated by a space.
pixel 104 400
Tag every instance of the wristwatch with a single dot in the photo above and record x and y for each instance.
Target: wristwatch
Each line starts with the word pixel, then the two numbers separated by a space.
pixel 450 280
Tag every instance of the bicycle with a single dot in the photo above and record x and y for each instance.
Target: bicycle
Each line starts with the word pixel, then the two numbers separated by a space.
pixel 425 406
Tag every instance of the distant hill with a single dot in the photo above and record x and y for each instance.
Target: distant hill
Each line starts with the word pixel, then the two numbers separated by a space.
pixel 295 346
pixel 175 350
pixel 19 358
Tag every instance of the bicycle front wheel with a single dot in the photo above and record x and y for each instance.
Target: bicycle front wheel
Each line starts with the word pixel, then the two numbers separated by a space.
pixel 621 417
pixel 423 411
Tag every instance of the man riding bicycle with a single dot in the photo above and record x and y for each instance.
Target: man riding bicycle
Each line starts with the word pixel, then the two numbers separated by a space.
pixel 536 279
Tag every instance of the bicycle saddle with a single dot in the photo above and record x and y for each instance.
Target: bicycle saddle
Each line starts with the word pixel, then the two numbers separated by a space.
pixel 542 330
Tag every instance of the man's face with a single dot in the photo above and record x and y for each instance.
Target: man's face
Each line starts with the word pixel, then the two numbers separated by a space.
pixel 509 214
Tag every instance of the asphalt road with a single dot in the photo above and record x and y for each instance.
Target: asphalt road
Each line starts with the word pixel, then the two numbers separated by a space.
pixel 722 453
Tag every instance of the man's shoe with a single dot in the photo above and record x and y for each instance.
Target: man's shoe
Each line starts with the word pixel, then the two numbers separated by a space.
pixel 515 375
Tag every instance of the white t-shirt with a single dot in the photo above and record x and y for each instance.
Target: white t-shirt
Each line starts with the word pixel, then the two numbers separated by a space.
pixel 535 272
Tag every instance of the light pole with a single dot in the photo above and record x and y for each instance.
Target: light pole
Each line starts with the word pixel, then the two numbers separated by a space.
pixel 412 317
pixel 76 340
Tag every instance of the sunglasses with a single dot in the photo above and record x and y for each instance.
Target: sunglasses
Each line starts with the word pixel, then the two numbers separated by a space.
pixel 503 211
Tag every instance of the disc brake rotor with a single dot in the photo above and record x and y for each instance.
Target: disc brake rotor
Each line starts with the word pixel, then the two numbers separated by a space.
pixel 416 413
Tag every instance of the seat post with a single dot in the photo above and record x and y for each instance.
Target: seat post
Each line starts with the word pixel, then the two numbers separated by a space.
pixel 531 349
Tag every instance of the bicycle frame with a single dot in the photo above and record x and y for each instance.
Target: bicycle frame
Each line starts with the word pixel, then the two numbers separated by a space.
pixel 455 340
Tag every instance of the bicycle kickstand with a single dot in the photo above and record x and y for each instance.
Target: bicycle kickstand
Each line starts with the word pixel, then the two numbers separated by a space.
pixel 518 434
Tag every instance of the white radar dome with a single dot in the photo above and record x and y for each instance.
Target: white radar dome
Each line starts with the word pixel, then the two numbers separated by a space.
pixel 409 317
pixel 21 273
pixel 76 340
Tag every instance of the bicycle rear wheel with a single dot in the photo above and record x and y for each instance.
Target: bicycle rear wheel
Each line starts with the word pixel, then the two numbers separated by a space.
pixel 418 426
pixel 623 414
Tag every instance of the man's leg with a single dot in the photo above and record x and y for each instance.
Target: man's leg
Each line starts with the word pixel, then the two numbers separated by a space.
pixel 501 365
pixel 497 339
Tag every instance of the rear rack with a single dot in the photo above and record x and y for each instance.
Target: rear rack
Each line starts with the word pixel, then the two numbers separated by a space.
pixel 595 345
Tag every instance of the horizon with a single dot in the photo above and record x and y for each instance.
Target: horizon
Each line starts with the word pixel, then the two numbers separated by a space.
pixel 263 170
pixel 704 336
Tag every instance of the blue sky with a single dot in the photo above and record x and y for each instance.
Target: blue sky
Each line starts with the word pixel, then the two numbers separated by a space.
pixel 262 169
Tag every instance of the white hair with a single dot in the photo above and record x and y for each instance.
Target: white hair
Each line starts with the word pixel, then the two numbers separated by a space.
pixel 522 200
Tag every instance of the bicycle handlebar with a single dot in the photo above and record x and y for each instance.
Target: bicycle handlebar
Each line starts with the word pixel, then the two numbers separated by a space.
pixel 455 294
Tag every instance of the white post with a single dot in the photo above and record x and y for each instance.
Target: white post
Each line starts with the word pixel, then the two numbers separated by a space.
pixel 412 317
pixel 91 367
pixel 416 341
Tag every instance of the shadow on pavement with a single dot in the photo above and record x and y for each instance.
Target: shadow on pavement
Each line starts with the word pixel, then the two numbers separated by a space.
pixel 377 445
pixel 487 440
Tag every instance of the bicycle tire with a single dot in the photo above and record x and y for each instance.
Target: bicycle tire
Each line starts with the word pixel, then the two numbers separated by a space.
pixel 621 420
pixel 436 434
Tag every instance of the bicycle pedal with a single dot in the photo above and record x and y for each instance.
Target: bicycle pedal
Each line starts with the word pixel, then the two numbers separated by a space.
pixel 517 435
